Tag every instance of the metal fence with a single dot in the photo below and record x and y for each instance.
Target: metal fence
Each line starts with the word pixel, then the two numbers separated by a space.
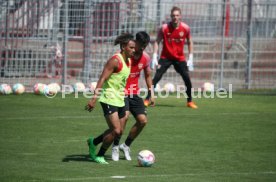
pixel 67 41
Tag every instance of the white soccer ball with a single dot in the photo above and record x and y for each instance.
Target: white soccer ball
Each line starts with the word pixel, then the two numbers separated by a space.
pixel 18 89
pixel 169 87
pixel 39 88
pixel 79 87
pixel 53 88
pixel 208 87
pixel 145 158
pixel 157 88
pixel 5 89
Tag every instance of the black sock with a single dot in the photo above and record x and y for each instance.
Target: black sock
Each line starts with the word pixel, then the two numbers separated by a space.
pixel 98 140
pixel 102 152
pixel 117 140
pixel 128 141
pixel 149 95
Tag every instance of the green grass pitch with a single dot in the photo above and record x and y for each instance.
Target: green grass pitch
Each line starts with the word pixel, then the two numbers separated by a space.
pixel 231 139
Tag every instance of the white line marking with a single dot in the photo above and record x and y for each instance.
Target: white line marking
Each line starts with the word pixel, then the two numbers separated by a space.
pixel 118 177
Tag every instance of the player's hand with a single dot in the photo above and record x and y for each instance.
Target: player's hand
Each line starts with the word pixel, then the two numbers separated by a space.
pixel 154 61
pixel 152 102
pixel 90 106
pixel 190 63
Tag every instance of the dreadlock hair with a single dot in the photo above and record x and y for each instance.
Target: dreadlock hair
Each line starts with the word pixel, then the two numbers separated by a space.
pixel 143 38
pixel 123 39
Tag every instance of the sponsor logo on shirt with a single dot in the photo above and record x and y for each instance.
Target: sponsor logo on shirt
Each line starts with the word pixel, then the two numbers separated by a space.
pixel 140 65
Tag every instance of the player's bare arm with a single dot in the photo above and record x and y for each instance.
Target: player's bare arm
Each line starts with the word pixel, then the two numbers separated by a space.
pixel 190 45
pixel 148 80
pixel 154 61
pixel 110 67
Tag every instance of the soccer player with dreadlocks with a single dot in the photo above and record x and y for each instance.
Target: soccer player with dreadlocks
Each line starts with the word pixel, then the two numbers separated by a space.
pixel 110 90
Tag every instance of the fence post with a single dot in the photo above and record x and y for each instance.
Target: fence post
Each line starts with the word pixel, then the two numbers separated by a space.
pixel 65 41
pixel 222 44
pixel 158 13
pixel 87 40
pixel 249 45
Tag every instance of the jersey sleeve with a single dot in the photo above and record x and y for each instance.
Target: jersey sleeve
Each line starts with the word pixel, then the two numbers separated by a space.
pixel 188 30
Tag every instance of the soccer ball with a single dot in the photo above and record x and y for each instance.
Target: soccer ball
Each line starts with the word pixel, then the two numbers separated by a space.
pixel 208 87
pixel 5 89
pixel 18 89
pixel 169 87
pixel 39 88
pixel 79 87
pixel 53 88
pixel 145 158
pixel 157 88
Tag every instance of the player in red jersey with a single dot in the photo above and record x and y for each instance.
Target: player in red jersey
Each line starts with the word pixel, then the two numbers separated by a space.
pixel 134 104
pixel 173 35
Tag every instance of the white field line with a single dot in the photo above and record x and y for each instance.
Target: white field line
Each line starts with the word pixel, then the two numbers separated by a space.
pixel 98 116
pixel 162 175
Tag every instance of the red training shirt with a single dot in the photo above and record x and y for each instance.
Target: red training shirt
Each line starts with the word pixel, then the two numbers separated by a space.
pixel 132 86
pixel 174 41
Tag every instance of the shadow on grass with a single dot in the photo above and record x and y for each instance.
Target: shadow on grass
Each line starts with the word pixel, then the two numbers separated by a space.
pixel 77 157
pixel 84 158
pixel 163 105
pixel 109 158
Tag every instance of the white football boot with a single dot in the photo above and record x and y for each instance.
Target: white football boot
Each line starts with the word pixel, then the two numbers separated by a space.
pixel 123 147
pixel 115 153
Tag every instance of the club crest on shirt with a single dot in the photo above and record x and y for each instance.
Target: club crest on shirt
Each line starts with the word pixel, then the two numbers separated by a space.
pixel 140 65
pixel 181 34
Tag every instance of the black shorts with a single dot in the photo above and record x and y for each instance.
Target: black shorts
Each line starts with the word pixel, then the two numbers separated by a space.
pixel 135 105
pixel 109 109
pixel 180 66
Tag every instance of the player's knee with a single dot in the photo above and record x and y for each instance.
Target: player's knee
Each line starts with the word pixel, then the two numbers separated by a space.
pixel 187 82
pixel 142 121
pixel 121 132
pixel 117 132
pixel 126 118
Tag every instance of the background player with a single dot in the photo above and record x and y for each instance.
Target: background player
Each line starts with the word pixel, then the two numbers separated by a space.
pixel 173 35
